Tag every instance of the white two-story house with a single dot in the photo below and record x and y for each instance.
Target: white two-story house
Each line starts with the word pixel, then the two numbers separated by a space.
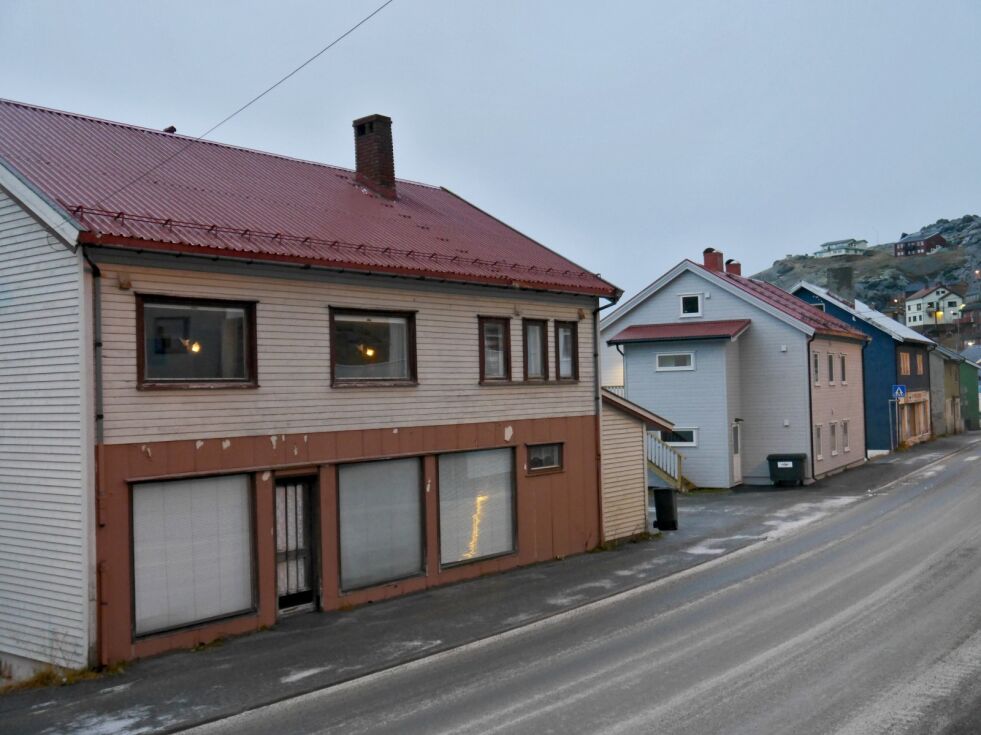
pixel 744 370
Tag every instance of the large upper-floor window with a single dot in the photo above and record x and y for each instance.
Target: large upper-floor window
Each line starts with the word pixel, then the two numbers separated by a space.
pixel 495 349
pixel 536 349
pixel 187 342
pixel 566 350
pixel 372 347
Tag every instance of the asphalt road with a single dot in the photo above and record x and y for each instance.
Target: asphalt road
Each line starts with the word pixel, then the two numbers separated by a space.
pixel 866 622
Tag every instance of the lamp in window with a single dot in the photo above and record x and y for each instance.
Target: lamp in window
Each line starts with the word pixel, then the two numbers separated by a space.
pixel 190 346
pixel 366 350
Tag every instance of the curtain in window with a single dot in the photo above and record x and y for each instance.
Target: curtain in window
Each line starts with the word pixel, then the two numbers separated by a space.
pixel 476 504
pixel 192 551
pixel 381 521
pixel 565 352
pixel 534 349
pixel 494 353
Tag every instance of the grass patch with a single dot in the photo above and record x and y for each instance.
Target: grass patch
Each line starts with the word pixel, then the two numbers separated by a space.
pixel 54 676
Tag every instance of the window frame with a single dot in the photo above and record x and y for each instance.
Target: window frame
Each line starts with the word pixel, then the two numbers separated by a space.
pixel 250 347
pixel 423 525
pixel 136 637
pixel 692 443
pixel 560 467
pixel 816 368
pixel 481 322
pixel 659 355
pixel 514 510
pixel 410 333
pixel 833 438
pixel 920 364
pixel 525 323
pixel 817 441
pixel 682 314
pixel 574 326
pixel 843 368
pixel 845 444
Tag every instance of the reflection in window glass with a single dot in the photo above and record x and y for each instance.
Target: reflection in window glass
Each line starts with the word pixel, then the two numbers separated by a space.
pixel 194 342
pixel 476 505
pixel 371 347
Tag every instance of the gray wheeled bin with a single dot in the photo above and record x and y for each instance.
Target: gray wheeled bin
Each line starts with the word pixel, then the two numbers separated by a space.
pixel 786 468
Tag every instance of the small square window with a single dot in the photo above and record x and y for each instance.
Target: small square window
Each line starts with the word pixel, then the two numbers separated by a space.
pixel 691 305
pixel 543 457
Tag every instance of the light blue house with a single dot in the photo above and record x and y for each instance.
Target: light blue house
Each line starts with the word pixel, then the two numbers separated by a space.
pixel 744 369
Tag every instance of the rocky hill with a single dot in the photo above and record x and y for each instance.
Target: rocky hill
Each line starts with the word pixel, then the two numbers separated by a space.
pixel 879 277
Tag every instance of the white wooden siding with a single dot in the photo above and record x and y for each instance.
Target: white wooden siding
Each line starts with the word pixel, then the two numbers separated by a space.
pixel 294 355
pixel 44 539
pixel 624 475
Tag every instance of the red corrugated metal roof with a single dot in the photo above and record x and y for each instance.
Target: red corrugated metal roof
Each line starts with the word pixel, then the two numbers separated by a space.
pixel 230 201
pixel 800 310
pixel 728 328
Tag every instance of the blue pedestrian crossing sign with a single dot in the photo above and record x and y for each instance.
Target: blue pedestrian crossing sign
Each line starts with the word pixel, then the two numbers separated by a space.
pixel 899 391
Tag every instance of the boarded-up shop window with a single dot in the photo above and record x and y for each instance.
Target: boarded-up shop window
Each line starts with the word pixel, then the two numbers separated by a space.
pixel 381 521
pixel 476 505
pixel 192 551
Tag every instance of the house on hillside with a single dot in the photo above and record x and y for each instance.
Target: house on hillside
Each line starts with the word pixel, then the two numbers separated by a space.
pixel 249 386
pixel 851 246
pixel 933 306
pixel 909 245
pixel 892 357
pixel 743 369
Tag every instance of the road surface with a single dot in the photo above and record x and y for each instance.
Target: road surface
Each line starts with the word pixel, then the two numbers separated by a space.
pixel 866 622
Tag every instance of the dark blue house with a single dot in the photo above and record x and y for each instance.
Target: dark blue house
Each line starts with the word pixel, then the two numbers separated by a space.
pixel 896 355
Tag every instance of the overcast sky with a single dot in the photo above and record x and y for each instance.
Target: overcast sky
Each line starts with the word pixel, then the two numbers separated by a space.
pixel 625 135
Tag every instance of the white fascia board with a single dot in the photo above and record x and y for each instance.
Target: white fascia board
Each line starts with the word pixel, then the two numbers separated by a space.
pixel 54 218
pixel 635 301
pixel 692 267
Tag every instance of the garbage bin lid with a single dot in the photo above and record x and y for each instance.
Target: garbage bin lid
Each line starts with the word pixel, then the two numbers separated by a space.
pixel 777 457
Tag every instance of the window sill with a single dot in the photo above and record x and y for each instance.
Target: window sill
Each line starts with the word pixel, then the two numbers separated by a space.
pixel 374 383
pixel 464 562
pixel 196 386
pixel 690 316
pixel 544 471
pixel 195 625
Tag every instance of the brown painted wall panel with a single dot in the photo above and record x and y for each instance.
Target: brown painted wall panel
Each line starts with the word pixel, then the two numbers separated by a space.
pixel 556 513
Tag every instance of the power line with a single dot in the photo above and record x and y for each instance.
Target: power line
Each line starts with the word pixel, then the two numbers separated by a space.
pixel 248 104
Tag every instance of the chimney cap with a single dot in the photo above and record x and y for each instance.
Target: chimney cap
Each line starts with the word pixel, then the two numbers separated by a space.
pixel 170 129
pixel 709 250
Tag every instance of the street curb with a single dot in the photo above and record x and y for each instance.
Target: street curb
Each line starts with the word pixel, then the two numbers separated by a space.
pixel 535 622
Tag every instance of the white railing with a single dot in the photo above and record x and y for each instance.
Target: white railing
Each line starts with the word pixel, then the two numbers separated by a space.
pixel 667 459
pixel 616 389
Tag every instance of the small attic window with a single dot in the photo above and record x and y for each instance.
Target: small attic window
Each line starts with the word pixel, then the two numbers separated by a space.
pixel 691 305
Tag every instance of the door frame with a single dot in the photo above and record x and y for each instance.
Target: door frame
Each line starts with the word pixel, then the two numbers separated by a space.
pixel 313 522
pixel 736 452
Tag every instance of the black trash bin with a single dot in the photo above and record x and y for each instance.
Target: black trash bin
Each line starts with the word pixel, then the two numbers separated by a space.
pixel 786 468
pixel 666 508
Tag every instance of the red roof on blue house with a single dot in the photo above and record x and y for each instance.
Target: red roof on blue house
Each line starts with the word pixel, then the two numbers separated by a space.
pixel 220 200
pixel 721 329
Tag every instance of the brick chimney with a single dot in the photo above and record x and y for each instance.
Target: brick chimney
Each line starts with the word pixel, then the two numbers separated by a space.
pixel 712 259
pixel 374 159
pixel 734 267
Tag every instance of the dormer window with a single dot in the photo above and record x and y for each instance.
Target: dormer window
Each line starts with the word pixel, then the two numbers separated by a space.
pixel 691 305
